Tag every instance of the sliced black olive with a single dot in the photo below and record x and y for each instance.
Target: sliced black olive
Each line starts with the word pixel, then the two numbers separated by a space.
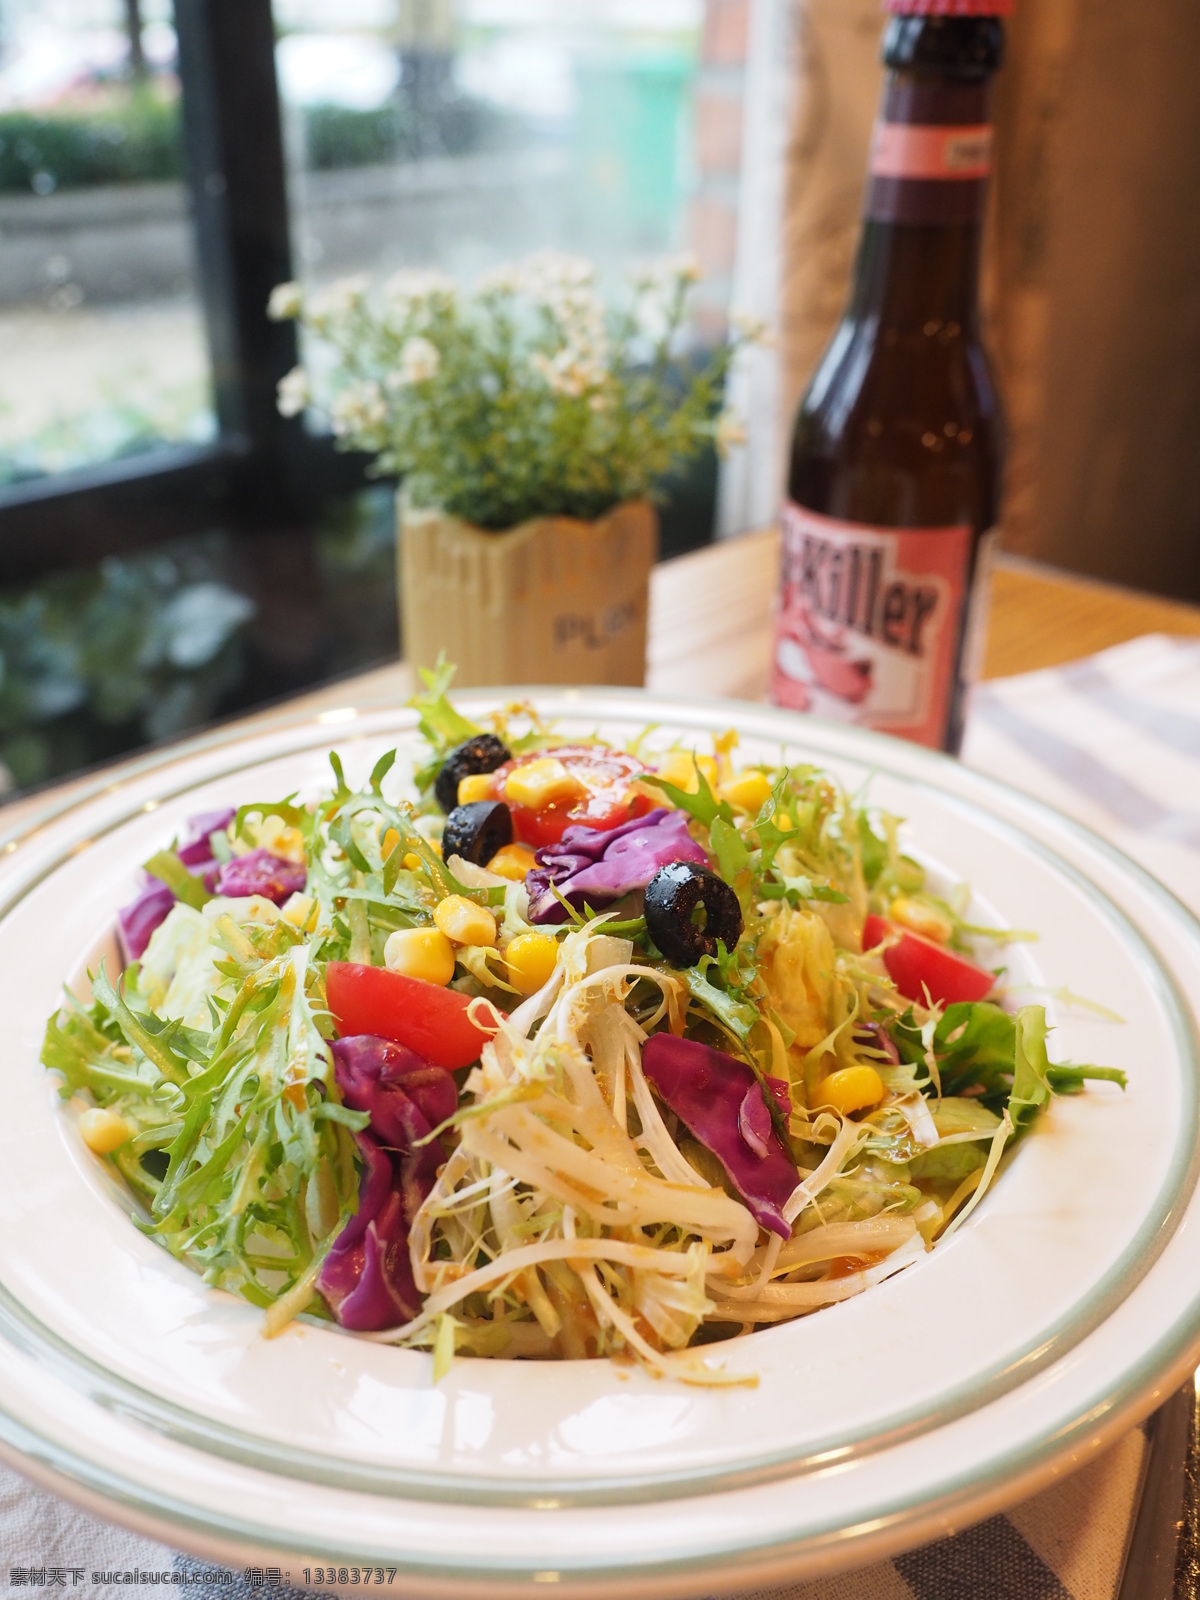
pixel 483 753
pixel 477 830
pixel 156 1162
pixel 688 909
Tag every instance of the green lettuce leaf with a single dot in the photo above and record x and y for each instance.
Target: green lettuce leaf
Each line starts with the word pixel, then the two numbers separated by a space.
pixel 703 805
pixel 166 866
pixel 441 724
pixel 997 1059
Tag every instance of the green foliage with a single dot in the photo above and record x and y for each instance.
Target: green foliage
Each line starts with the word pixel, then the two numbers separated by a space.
pixel 138 647
pixel 522 397
pixel 133 138
pixel 336 137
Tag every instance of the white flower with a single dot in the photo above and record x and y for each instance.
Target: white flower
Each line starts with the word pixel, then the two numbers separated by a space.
pixel 357 409
pixel 419 361
pixel 571 371
pixel 285 302
pixel 553 266
pixel 549 275
pixel 338 299
pixel 292 392
pixel 412 284
pixel 506 279
pixel 730 432
pixel 667 273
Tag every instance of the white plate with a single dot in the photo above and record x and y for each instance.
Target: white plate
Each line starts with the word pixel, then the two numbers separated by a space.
pixel 1063 1310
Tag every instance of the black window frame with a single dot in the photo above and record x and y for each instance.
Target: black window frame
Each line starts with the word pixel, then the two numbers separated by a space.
pixel 261 468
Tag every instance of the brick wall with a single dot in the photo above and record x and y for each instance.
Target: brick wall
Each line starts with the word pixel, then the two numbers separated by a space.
pixel 717 144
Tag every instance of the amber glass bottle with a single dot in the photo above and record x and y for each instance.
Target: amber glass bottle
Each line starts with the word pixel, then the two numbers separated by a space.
pixel 896 457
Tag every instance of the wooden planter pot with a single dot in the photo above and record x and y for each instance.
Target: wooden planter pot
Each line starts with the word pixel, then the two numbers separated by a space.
pixel 554 600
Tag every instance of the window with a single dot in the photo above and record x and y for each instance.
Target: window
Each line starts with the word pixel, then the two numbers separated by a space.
pixel 160 170
pixel 459 135
pixel 104 349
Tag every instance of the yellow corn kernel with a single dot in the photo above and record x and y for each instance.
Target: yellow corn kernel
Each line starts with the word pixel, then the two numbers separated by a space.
pixel 281 839
pixel 103 1131
pixel 420 953
pixel 475 786
pixel 748 791
pixel 680 766
pixel 412 862
pixel 851 1089
pixel 540 783
pixel 530 959
pixel 783 822
pixel 389 842
pixel 465 922
pixel 918 918
pixel 512 861
pixel 301 911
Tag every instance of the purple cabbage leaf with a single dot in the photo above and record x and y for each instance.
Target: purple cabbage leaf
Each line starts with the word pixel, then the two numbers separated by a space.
pixel 138 920
pixel 406 1098
pixel 722 1103
pixel 367 1277
pixel 588 866
pixel 260 872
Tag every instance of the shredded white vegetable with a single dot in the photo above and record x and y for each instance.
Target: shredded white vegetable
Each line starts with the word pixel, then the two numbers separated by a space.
pixel 569 1204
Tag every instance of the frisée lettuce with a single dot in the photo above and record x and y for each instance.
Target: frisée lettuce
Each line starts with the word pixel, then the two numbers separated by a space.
pixel 619 1074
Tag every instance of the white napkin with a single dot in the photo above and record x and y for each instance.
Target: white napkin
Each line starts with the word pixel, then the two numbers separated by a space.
pixel 1115 741
pixel 46 1542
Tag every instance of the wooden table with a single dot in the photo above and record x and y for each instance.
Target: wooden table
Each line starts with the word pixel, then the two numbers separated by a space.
pixel 710 630
pixel 710 634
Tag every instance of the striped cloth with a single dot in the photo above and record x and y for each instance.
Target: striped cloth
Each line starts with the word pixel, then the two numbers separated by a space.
pixel 1114 740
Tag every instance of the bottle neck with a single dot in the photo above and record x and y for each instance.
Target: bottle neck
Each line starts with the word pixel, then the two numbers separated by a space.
pixel 918 262
pixel 911 275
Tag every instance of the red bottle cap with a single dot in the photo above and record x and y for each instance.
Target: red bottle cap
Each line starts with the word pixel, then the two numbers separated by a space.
pixel 949 8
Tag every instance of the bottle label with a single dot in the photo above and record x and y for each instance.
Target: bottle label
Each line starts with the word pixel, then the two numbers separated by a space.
pixel 908 150
pixel 870 622
pixel 931 153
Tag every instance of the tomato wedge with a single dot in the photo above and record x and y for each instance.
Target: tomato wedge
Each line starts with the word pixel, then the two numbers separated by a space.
pixel 433 1021
pixel 607 775
pixel 916 965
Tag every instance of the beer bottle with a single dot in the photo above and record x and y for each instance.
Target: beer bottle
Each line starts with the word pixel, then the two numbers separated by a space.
pixel 896 456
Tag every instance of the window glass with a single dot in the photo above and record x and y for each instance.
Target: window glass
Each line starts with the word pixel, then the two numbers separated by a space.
pixel 459 134
pixel 104 353
pixel 462 133
pixel 148 646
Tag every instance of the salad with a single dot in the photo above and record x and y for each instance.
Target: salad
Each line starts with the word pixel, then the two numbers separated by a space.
pixel 573 1050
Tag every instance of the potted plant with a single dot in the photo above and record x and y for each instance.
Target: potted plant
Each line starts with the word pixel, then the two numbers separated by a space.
pixel 531 428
